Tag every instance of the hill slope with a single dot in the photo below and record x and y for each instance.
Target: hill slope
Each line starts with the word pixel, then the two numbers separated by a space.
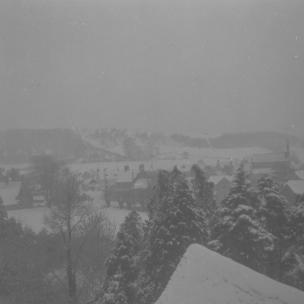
pixel 205 277
pixel 18 145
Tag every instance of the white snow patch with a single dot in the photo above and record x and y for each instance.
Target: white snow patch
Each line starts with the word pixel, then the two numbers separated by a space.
pixel 205 277
pixel 34 218
pixel 9 192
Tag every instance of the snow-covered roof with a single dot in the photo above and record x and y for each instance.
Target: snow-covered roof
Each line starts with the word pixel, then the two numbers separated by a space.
pixel 300 174
pixel 204 277
pixel 297 186
pixel 217 178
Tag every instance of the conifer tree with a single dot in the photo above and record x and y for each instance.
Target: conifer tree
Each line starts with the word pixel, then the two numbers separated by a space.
pixel 203 193
pixel 160 190
pixel 293 259
pixel 178 223
pixel 122 268
pixel 274 214
pixel 273 208
pixel 238 234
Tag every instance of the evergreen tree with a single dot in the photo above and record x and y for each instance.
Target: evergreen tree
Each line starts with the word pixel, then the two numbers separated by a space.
pixel 160 190
pixel 178 223
pixel 274 214
pixel 293 260
pixel 203 193
pixel 238 233
pixel 122 268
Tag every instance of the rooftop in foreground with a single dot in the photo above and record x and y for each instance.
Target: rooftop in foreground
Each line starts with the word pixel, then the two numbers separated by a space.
pixel 205 277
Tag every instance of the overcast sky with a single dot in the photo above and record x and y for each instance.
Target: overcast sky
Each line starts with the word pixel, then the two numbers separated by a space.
pixel 176 66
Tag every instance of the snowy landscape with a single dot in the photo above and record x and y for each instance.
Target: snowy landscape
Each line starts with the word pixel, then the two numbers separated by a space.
pixel 151 152
pixel 242 244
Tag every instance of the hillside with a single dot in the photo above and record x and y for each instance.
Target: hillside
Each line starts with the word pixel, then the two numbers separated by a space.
pixel 18 145
pixel 270 140
pixel 205 277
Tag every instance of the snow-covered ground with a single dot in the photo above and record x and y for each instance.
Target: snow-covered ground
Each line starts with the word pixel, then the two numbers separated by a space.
pixel 205 277
pixel 208 155
pixel 31 218
pixel 9 192
pixel 35 218
pixel 211 155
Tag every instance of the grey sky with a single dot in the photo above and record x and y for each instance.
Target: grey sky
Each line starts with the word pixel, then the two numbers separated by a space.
pixel 177 66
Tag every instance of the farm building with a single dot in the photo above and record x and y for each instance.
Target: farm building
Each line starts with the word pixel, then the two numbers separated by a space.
pixel 276 165
pixel 145 179
pixel 269 160
pixel 133 193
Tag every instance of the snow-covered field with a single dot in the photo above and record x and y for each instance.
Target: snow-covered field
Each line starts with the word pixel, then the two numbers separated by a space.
pixel 209 156
pixel 205 277
pixel 30 218
pixel 35 218
pixel 9 192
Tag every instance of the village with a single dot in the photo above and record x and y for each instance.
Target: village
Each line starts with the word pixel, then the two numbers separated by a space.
pixel 151 152
pixel 129 185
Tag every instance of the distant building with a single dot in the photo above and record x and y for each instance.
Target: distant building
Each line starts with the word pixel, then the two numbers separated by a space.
pixel 145 179
pixel 276 164
pixel 269 160
pixel 133 193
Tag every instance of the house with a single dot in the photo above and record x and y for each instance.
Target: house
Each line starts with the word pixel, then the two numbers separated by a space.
pixel 222 185
pixel 135 192
pixel 269 160
pixel 279 163
pixel 118 192
pixel 293 190
pixel 145 179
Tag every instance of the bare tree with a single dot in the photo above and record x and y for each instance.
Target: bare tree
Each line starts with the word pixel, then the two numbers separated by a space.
pixel 73 218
